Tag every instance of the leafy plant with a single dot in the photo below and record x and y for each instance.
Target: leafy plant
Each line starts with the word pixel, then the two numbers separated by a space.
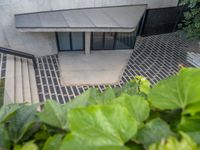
pixel 191 22
pixel 135 117
pixel 171 143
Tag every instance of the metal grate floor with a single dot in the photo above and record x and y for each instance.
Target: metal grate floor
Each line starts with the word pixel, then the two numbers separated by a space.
pixel 154 57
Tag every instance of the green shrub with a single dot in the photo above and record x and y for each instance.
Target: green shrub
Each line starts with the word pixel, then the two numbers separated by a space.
pixel 191 23
pixel 137 116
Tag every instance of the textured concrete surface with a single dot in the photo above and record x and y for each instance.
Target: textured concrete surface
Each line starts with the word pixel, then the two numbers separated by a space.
pixel 42 44
pixel 100 67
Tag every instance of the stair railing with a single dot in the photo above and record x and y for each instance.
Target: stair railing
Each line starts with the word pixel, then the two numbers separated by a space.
pixel 20 54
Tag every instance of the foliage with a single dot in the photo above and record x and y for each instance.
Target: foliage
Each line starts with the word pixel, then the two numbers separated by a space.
pixel 191 22
pixel 171 143
pixel 135 117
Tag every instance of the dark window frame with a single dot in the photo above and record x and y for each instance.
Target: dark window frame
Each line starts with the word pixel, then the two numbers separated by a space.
pixel 115 41
pixel 71 43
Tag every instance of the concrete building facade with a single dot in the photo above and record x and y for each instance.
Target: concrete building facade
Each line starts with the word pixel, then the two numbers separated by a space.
pixel 44 43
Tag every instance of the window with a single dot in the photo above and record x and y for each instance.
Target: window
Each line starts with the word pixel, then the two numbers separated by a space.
pixel 64 41
pixel 125 40
pixel 77 40
pixel 70 41
pixel 111 40
pixel 97 41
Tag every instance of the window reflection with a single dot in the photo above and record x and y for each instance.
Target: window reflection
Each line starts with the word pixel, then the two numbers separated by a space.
pixel 97 40
pixel 112 40
pixel 109 40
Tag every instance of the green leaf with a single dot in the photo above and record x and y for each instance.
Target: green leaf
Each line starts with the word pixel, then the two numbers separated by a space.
pixel 136 105
pixel 190 123
pixel 192 109
pixel 144 84
pixel 133 146
pixel 54 114
pixel 172 143
pixel 107 96
pixel 178 91
pixel 99 127
pixel 195 136
pixel 53 142
pixel 91 97
pixel 41 135
pixel 77 142
pixel 130 88
pixel 21 122
pixel 139 85
pixel 85 99
pixel 8 111
pixel 153 131
pixel 27 146
pixel 5 142
pixel 172 117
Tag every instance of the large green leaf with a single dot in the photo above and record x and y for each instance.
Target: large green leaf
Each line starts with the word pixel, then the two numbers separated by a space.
pixel 27 146
pixel 91 97
pixel 8 111
pixel 153 132
pixel 136 105
pixel 195 136
pixel 139 85
pixel 53 142
pixel 85 98
pixel 5 142
pixel 79 142
pixel 177 91
pixel 171 143
pixel 190 123
pixel 54 114
pixel 21 123
pixel 99 127
pixel 130 88
pixel 192 109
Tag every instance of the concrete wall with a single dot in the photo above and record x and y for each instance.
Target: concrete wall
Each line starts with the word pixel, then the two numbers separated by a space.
pixel 44 43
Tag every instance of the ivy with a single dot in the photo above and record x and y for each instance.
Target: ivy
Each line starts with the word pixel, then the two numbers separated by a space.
pixel 137 116
pixel 191 22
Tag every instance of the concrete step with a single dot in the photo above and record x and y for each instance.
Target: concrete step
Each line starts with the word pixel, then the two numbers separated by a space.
pixel 20 81
pixel 9 90
pixel 26 81
pixel 33 85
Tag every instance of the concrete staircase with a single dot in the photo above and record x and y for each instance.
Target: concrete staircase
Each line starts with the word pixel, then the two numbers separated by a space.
pixel 20 82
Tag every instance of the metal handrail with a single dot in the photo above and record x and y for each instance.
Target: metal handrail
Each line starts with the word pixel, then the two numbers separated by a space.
pixel 20 54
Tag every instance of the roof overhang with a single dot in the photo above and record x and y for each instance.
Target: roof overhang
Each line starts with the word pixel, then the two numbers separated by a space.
pixel 98 19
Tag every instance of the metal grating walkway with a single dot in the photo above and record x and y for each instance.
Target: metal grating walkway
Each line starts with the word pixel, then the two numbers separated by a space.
pixel 154 57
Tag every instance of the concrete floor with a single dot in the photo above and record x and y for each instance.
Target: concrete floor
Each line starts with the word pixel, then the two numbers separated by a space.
pixel 100 67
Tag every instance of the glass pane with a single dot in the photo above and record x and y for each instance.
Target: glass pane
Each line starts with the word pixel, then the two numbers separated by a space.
pixel 64 41
pixel 97 41
pixel 77 41
pixel 125 40
pixel 109 40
